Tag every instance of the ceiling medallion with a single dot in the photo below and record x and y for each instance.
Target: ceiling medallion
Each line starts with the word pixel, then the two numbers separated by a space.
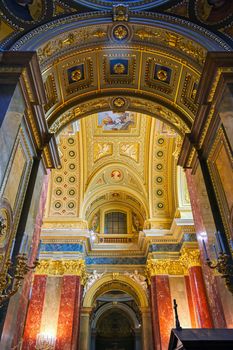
pixel 116 175
pixel 119 68
pixel 162 75
pixel 119 102
pixel 76 75
pixel 120 32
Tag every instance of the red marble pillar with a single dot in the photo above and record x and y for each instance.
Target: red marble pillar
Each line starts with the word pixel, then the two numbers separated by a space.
pixel 22 301
pixel 162 313
pixel 68 319
pixel 200 298
pixel 77 313
pixel 154 314
pixel 209 278
pixel 190 302
pixel 33 321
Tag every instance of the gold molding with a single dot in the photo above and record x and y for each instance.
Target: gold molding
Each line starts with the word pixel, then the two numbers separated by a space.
pixel 216 79
pixel 189 258
pixel 63 267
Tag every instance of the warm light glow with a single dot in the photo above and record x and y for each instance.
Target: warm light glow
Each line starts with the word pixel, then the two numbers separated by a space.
pixel 45 341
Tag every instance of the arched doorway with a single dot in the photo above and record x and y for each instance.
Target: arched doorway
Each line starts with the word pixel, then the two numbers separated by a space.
pixel 114 331
pixel 115 315
pixel 116 322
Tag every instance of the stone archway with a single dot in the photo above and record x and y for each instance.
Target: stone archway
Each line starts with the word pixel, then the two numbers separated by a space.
pixel 122 283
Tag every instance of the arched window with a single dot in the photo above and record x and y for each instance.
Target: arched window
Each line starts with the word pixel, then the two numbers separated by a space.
pixel 115 223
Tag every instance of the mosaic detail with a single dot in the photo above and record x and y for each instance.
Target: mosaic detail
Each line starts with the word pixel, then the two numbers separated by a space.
pixel 61 247
pixel 115 261
pixel 27 11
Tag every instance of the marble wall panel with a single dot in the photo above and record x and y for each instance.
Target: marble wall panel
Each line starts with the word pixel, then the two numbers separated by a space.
pixel 33 322
pixel 51 306
pixel 178 292
pixel 66 313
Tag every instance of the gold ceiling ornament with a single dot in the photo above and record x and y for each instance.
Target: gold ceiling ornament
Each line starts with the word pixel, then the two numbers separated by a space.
pixel 63 267
pixel 120 32
pixel 120 12
pixel 161 75
pixel 76 75
pixel 190 257
pixel 119 102
pixel 119 68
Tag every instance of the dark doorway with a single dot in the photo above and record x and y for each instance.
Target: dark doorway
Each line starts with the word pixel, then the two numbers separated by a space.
pixel 114 332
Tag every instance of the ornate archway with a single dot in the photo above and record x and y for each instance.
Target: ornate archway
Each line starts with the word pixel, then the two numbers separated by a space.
pixel 122 283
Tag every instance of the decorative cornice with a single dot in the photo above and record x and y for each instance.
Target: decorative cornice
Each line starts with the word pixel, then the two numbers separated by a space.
pixel 164 267
pixel 189 258
pixel 63 267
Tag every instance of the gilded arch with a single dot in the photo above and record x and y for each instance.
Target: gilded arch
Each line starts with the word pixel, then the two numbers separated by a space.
pixel 163 59
pixel 118 282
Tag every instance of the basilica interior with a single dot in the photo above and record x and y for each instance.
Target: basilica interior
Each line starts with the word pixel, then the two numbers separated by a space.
pixel 116 204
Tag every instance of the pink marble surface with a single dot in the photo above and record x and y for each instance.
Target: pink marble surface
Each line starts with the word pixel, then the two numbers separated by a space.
pixel 154 314
pixel 198 290
pixel 77 309
pixel 190 302
pixel 165 311
pixel 66 313
pixel 213 296
pixel 22 310
pixel 33 321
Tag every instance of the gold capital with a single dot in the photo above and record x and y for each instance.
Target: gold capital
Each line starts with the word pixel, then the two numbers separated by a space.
pixel 63 267
pixel 190 257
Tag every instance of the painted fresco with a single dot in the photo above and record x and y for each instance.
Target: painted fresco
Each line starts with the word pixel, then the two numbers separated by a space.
pixel 110 121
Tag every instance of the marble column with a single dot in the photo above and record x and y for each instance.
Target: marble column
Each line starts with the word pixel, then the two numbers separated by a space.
pixel 33 321
pixel 162 312
pixel 190 258
pixel 84 342
pixel 154 314
pixel 68 319
pixel 147 343
pixel 77 311
pixel 200 298
pixel 209 278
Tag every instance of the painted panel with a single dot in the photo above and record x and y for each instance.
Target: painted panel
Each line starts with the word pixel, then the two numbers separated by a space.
pixel 14 179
